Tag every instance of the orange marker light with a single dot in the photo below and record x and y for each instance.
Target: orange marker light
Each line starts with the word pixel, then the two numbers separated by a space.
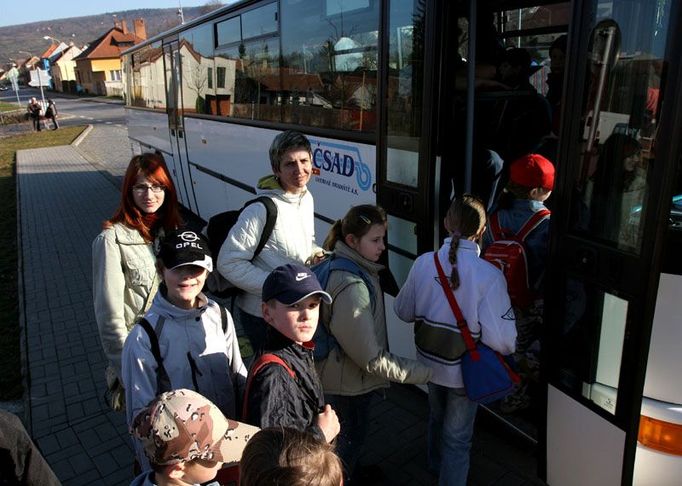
pixel 660 435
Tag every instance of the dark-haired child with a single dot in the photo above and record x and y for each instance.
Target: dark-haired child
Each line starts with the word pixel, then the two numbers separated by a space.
pixel 290 395
pixel 285 456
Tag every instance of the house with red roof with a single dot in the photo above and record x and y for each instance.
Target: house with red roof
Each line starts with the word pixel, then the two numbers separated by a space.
pixel 98 68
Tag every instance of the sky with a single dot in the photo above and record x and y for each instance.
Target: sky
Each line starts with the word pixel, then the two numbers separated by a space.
pixel 13 12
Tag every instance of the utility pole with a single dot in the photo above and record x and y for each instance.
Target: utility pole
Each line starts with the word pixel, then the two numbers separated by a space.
pixel 180 14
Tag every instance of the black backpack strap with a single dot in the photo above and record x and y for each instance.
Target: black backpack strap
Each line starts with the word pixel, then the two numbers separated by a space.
pixel 223 317
pixel 270 220
pixel 162 380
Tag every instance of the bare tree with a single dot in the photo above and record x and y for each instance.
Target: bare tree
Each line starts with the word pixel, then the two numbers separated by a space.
pixel 210 6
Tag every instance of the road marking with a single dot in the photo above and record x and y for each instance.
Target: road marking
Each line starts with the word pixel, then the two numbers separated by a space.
pixel 108 123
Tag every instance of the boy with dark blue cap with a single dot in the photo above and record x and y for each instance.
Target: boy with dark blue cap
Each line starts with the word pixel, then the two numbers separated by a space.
pixel 283 388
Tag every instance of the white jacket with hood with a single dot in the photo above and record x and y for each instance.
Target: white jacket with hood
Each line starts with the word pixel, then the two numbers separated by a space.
pixel 292 240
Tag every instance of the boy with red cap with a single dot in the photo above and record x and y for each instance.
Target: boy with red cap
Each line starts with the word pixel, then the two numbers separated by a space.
pixel 531 181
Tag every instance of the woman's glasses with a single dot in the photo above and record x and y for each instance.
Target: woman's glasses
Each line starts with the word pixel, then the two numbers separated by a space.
pixel 141 189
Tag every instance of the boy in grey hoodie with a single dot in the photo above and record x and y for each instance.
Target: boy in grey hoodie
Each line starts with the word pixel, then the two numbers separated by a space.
pixel 196 337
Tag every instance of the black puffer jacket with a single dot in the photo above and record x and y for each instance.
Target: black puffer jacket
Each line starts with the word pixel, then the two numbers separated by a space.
pixel 277 399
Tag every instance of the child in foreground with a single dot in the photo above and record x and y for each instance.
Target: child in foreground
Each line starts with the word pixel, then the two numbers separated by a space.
pixel 187 439
pixel 196 338
pixel 481 292
pixel 361 362
pixel 288 393
pixel 280 456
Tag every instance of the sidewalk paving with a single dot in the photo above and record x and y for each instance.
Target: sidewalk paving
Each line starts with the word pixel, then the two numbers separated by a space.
pixel 64 194
pixel 62 202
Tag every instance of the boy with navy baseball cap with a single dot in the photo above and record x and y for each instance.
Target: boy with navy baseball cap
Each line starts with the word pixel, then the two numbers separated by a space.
pixel 283 388
pixel 185 339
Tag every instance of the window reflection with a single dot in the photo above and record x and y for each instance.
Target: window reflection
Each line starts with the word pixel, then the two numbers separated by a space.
pixel 147 89
pixel 248 81
pixel 329 72
pixel 404 94
pixel 259 21
pixel 620 108
pixel 198 84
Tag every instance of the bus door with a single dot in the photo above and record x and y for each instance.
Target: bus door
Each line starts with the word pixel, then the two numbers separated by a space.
pixel 405 163
pixel 180 166
pixel 617 158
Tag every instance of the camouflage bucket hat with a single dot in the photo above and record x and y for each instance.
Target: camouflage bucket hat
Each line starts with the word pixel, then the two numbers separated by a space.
pixel 182 425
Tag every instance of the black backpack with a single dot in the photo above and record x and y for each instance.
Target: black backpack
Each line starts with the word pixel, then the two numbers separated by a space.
pixel 219 227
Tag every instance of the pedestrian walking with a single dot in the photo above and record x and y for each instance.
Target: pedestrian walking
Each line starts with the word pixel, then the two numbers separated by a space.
pixel 34 110
pixel 51 114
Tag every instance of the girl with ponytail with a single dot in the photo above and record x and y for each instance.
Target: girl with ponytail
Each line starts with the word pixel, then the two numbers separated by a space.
pixel 361 363
pixel 481 292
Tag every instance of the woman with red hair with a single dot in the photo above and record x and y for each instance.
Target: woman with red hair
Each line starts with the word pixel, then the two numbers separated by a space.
pixel 123 258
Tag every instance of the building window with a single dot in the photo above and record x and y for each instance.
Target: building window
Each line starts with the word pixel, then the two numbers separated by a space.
pixel 221 71
pixel 115 75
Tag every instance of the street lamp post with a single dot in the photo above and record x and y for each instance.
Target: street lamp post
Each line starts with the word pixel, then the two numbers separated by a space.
pixel 53 39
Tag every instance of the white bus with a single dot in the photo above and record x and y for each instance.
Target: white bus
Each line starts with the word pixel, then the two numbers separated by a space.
pixel 399 102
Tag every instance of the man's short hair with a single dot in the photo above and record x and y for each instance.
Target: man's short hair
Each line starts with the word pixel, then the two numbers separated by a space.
pixel 285 141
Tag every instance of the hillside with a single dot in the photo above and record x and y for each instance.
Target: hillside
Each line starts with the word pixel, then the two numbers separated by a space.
pixel 82 30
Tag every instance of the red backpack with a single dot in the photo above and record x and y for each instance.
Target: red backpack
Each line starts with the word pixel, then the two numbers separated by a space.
pixel 508 253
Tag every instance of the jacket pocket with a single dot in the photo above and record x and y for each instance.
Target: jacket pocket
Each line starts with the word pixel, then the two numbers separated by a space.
pixel 138 272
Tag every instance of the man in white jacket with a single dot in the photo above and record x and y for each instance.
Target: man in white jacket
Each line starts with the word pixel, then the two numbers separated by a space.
pixel 292 238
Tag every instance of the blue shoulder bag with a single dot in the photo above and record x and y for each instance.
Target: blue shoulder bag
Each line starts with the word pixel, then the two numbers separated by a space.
pixel 486 374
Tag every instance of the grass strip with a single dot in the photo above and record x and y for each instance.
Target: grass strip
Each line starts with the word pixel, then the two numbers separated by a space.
pixel 10 354
pixel 4 106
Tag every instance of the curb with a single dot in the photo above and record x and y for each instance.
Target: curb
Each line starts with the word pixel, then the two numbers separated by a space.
pixel 82 136
pixel 26 415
